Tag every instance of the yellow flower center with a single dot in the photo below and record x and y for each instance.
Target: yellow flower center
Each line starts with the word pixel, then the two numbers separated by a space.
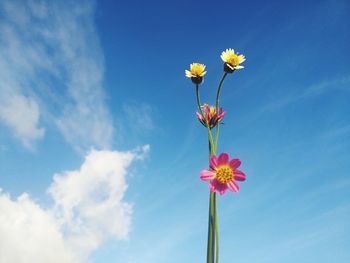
pixel 212 111
pixel 233 60
pixel 224 174
pixel 197 69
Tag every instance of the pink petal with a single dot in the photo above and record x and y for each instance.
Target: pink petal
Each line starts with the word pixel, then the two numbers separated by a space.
pixel 233 186
pixel 221 115
pixel 199 116
pixel 235 163
pixel 223 159
pixel 207 175
pixel 222 191
pixel 218 187
pixel 213 161
pixel 239 175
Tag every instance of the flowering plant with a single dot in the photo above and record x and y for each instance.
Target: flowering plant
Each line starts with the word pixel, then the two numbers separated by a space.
pixel 223 173
pixel 210 116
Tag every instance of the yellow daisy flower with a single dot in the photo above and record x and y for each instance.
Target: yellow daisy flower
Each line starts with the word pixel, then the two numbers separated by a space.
pixel 196 72
pixel 232 60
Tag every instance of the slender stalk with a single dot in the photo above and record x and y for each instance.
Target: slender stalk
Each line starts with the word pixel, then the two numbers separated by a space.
pixel 217 110
pixel 211 235
pixel 207 124
pixel 211 220
pixel 218 91
pixel 216 137
pixel 209 151
pixel 216 231
pixel 213 228
pixel 216 225
pixel 199 101
pixel 212 148
pixel 211 225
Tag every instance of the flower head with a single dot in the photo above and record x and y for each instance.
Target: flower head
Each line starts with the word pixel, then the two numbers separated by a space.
pixel 232 60
pixel 211 116
pixel 223 174
pixel 196 72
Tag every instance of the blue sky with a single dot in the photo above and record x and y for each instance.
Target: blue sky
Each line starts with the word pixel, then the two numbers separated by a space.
pixel 100 150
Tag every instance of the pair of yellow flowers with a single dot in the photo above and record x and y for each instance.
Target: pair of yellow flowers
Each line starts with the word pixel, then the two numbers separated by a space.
pixel 231 60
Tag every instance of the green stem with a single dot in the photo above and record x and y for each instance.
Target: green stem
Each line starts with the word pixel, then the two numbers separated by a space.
pixel 217 110
pixel 216 231
pixel 212 152
pixel 211 236
pixel 215 210
pixel 218 91
pixel 199 101
pixel 207 124
pixel 209 152
pixel 216 137
pixel 211 221
pixel 213 229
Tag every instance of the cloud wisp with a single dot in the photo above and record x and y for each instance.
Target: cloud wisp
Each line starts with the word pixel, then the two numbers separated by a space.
pixel 88 209
pixel 21 114
pixel 51 67
pixel 341 84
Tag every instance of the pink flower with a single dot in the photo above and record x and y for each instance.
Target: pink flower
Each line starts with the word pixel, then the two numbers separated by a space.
pixel 210 116
pixel 223 174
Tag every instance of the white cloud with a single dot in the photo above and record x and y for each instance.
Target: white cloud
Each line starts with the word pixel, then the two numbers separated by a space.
pixel 51 57
pixel 90 201
pixel 86 118
pixel 29 233
pixel 22 115
pixel 88 209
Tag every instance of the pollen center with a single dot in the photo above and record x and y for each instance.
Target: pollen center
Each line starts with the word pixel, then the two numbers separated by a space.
pixel 233 60
pixel 224 174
